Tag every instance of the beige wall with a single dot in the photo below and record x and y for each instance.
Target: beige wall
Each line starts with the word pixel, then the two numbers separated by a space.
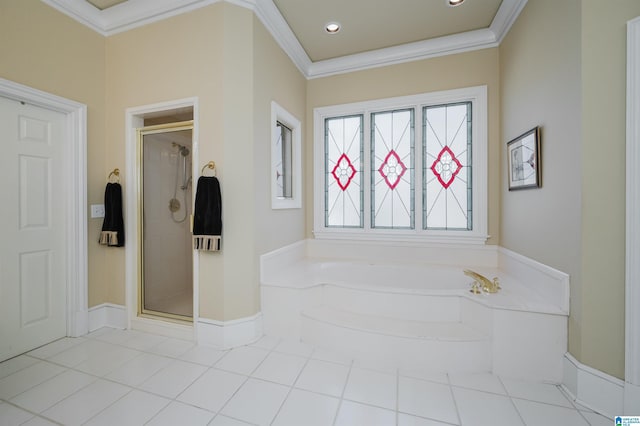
pixel 603 181
pixel 562 66
pixel 275 79
pixel 46 50
pixel 447 72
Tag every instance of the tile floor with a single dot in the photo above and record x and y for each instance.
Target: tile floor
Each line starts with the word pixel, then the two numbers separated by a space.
pixel 115 377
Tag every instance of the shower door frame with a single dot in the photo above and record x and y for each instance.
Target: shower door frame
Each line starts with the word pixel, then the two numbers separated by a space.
pixel 134 119
pixel 140 133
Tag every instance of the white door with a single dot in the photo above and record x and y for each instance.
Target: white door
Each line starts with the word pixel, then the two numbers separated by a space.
pixel 33 203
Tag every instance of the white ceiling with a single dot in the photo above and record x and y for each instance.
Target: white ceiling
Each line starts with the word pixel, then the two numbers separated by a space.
pixel 374 33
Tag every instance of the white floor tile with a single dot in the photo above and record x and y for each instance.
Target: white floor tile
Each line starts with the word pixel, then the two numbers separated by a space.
pixel 485 382
pixel 307 408
pixel 81 352
pixel 139 369
pixel 381 366
pixel 371 387
pixel 356 414
pixel 539 392
pixel 18 363
pixel 135 408
pixel 177 413
pixel 538 414
pixel 27 378
pixel 329 355
pixel 426 399
pixel 173 348
pixel 256 402
pixel 213 389
pixel 202 355
pixel 430 376
pixel 54 348
pixel 174 378
pixel 143 341
pixel 86 403
pixel 107 361
pixel 480 408
pixel 323 377
pixel 54 390
pixel 280 368
pixel 115 336
pixel 293 347
pixel 267 342
pixel 596 419
pixel 221 420
pixel 10 415
pixel 38 421
pixel 409 420
pixel 242 360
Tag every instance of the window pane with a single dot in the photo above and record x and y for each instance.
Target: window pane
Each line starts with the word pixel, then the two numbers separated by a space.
pixel 392 169
pixel 343 172
pixel 447 167
pixel 284 162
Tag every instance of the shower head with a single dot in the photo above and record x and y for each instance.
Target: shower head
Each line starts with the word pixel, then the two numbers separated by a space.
pixel 181 148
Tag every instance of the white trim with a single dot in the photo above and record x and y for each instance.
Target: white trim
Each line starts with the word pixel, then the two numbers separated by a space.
pixel 107 315
pixel 164 328
pixel 75 181
pixel 279 114
pixel 593 388
pixel 632 284
pixel 229 334
pixel 478 96
pixel 134 14
pixel 134 118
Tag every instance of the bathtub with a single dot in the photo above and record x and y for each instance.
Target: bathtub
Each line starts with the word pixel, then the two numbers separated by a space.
pixel 418 314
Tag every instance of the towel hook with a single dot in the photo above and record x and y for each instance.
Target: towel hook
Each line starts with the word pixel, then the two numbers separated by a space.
pixel 115 173
pixel 210 165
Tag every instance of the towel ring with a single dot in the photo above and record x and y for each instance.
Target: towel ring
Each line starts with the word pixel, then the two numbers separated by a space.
pixel 210 165
pixel 115 173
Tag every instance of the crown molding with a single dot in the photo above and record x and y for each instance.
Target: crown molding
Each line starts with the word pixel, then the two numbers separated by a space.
pixel 126 16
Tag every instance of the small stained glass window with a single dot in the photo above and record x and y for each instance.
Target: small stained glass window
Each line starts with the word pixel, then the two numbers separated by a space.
pixel 392 169
pixel 447 167
pixel 343 172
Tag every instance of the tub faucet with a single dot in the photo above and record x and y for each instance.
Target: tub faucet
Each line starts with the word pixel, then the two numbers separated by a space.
pixel 482 283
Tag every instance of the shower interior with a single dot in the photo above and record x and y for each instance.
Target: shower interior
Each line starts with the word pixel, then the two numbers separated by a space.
pixel 166 282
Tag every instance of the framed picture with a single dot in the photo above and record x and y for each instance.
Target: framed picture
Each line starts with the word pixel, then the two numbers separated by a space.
pixel 524 160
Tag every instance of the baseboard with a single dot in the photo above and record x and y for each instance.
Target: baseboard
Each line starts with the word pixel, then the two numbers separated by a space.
pixel 163 327
pixel 593 389
pixel 229 334
pixel 107 315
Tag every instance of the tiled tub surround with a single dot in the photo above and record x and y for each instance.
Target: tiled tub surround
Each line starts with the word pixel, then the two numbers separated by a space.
pixel 411 306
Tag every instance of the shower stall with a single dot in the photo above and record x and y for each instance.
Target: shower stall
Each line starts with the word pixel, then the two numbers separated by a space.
pixel 166 256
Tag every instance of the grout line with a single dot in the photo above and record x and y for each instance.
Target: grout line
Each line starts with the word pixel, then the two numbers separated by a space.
pixel 397 396
pixel 344 388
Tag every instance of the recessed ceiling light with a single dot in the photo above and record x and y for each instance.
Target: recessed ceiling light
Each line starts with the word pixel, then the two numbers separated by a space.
pixel 453 3
pixel 332 27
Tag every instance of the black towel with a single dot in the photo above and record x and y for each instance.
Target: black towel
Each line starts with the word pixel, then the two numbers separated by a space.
pixel 207 214
pixel 113 226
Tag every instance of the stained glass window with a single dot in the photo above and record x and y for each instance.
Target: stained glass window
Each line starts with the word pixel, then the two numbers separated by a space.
pixel 392 169
pixel 447 167
pixel 343 172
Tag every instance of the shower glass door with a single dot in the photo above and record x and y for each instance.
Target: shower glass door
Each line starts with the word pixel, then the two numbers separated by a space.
pixel 166 279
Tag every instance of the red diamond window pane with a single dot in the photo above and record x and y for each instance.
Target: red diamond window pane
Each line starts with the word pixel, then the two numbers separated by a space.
pixel 343 172
pixel 446 167
pixel 392 169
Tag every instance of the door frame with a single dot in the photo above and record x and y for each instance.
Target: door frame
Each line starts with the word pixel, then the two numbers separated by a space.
pixel 632 284
pixel 134 119
pixel 75 180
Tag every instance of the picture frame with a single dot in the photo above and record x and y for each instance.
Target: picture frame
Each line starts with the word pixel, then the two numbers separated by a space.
pixel 523 154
